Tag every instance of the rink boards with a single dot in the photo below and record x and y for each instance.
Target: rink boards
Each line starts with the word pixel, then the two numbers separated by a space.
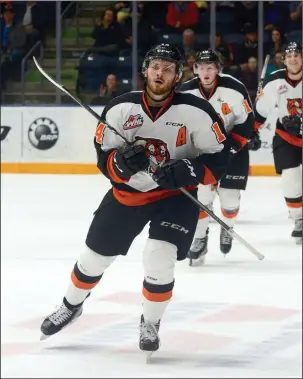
pixel 59 140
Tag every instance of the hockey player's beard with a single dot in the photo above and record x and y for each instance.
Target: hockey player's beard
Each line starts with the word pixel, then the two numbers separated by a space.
pixel 158 92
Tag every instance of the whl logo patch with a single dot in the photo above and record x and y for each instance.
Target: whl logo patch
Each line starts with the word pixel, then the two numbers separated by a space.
pixel 133 122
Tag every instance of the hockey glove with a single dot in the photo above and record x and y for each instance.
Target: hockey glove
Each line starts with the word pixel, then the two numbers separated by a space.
pixel 254 142
pixel 130 160
pixel 293 124
pixel 175 174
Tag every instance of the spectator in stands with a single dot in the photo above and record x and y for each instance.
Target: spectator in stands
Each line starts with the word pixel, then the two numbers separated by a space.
pixel 249 76
pixel 246 12
pixel 224 49
pixel 122 9
pixel 33 22
pixel 295 9
pixel 108 91
pixel 202 5
pixel 154 13
pixel 3 4
pixel 107 34
pixel 275 14
pixel 189 42
pixel 146 35
pixel 189 66
pixel 181 15
pixel 13 39
pixel 277 43
pixel 275 65
pixel 249 47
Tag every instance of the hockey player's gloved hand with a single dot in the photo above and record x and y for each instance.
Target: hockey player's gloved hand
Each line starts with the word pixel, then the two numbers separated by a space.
pixel 293 124
pixel 254 142
pixel 130 160
pixel 175 174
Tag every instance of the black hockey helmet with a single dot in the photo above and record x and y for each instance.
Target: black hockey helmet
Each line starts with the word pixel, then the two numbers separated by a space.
pixel 166 52
pixel 209 56
pixel 292 47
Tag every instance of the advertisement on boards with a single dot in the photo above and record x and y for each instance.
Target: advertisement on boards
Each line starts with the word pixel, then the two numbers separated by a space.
pixel 64 135
pixel 11 134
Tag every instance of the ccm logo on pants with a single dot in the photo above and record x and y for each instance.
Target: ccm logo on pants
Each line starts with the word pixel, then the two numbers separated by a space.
pixel 174 226
pixel 235 177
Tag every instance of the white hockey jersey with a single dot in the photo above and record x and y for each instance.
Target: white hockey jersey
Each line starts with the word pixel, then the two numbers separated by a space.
pixel 185 127
pixel 284 94
pixel 230 99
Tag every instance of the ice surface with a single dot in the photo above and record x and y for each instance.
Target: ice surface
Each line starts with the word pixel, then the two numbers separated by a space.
pixel 233 317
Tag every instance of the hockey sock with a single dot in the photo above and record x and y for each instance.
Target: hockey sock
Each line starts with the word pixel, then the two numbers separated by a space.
pixel 159 258
pixel 230 205
pixel 292 189
pixel 86 274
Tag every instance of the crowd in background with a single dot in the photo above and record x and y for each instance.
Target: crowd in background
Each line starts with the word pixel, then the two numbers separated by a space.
pixel 23 23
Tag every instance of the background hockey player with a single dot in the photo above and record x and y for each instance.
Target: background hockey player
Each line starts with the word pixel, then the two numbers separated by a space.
pixel 182 135
pixel 283 89
pixel 231 101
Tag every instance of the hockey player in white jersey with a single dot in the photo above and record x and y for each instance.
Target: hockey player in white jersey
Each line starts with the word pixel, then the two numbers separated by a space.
pixel 185 138
pixel 283 89
pixel 231 101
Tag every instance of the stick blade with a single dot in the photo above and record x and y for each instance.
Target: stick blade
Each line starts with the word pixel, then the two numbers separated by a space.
pixel 62 88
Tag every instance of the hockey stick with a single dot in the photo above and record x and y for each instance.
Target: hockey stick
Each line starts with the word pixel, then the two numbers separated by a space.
pixel 263 72
pixel 230 231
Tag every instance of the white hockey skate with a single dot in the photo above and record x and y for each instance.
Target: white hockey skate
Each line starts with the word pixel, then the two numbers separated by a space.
pixel 225 241
pixel 59 319
pixel 149 340
pixel 198 250
pixel 297 232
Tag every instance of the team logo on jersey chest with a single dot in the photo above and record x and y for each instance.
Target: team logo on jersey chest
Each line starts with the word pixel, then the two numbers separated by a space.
pixel 283 88
pixel 133 122
pixel 157 151
pixel 294 107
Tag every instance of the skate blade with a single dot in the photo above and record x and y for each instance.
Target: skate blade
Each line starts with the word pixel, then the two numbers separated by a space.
pixel 43 337
pixel 197 262
pixel 148 355
pixel 298 241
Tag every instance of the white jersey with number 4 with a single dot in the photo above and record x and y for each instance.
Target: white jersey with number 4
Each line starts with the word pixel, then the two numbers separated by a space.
pixel 286 96
pixel 230 99
pixel 185 127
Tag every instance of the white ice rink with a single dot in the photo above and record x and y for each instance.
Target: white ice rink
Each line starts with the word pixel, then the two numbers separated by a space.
pixel 233 317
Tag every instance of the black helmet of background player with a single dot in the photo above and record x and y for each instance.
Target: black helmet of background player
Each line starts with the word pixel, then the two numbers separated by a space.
pixel 293 47
pixel 165 52
pixel 208 56
pixel 293 57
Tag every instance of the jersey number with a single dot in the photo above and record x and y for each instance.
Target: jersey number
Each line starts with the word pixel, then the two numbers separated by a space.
pixel 246 106
pixel 219 135
pixel 225 109
pixel 181 137
pixel 99 133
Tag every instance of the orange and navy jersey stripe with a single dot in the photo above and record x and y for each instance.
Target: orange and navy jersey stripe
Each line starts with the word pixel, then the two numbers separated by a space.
pixel 135 198
pixel 291 139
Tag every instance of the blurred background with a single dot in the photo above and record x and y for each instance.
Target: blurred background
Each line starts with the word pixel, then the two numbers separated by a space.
pixel 96 48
